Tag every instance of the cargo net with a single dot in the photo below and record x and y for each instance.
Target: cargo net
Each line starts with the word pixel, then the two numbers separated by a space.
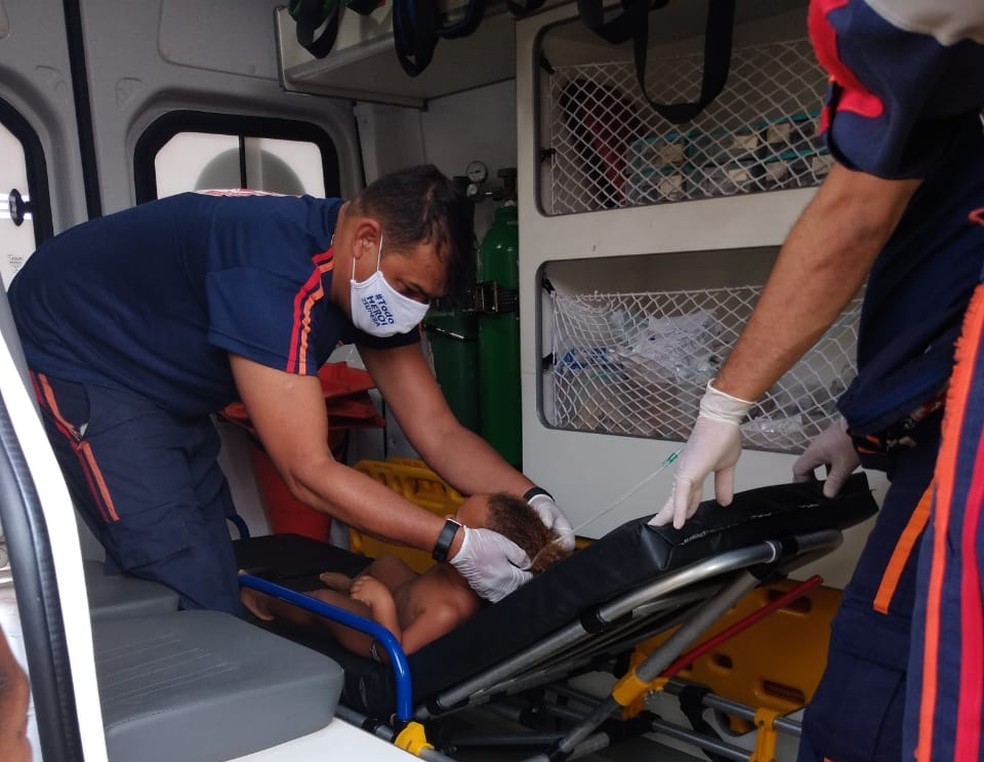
pixel 610 149
pixel 637 364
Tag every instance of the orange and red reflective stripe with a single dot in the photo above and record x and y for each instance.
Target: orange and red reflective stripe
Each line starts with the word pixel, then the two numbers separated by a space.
pixel 91 470
pixel 971 695
pixel 971 690
pixel 307 296
pixel 946 465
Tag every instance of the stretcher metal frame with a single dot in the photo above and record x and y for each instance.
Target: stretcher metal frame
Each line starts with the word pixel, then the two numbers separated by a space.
pixel 691 598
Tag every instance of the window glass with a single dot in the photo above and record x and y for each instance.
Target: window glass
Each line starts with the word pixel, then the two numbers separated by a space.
pixel 17 241
pixel 180 163
pixel 283 163
pixel 199 161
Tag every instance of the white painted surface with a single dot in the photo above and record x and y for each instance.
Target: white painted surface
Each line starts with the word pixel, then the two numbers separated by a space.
pixel 587 471
pixel 59 516
pixel 16 241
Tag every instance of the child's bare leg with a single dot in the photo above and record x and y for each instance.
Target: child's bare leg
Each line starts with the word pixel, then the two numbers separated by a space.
pixel 268 608
pixel 256 603
pixel 336 581
pixel 353 640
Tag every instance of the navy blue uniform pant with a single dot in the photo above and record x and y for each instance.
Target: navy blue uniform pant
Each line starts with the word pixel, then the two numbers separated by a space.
pixel 856 714
pixel 148 484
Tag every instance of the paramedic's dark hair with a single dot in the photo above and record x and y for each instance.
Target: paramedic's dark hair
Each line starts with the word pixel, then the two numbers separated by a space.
pixel 420 205
pixel 512 517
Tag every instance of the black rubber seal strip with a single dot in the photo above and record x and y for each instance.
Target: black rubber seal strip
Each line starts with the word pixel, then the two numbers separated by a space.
pixel 38 601
pixel 83 107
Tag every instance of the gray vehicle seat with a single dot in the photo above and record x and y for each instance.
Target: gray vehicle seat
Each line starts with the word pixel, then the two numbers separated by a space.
pixel 120 595
pixel 202 686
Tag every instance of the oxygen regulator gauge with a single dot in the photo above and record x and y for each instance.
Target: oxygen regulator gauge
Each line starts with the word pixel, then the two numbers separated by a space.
pixel 477 172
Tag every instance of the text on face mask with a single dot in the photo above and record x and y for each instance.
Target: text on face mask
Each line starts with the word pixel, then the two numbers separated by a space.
pixel 378 310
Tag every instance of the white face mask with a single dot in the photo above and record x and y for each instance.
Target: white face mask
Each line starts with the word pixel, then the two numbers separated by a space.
pixel 379 309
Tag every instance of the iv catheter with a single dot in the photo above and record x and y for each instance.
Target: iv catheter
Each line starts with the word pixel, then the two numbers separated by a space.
pixel 667 462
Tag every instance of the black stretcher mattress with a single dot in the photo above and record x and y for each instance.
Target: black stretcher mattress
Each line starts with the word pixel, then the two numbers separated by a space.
pixel 623 560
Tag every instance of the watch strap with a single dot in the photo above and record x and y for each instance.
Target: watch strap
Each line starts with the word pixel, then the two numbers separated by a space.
pixel 532 492
pixel 444 540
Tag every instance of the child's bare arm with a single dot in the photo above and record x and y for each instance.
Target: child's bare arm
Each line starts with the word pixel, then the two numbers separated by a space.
pixel 374 594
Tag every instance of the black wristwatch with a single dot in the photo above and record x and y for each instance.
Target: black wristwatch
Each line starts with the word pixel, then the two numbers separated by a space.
pixel 532 492
pixel 444 540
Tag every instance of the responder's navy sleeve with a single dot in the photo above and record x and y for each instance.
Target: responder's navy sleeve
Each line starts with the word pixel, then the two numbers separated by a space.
pixel 896 97
pixel 265 317
pixel 268 283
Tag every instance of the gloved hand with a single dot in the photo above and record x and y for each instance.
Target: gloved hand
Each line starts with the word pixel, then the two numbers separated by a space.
pixel 492 565
pixel 554 519
pixel 714 445
pixel 834 448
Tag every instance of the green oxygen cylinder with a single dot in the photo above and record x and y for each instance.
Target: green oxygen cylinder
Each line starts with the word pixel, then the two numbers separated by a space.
pixel 453 337
pixel 498 330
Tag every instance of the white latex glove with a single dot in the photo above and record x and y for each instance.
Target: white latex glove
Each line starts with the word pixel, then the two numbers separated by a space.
pixel 554 519
pixel 492 565
pixel 834 448
pixel 714 446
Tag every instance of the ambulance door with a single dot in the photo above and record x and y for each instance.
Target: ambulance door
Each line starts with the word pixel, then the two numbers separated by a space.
pixel 42 191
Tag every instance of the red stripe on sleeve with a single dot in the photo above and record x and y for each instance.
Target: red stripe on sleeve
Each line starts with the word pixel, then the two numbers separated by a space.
pixel 855 97
pixel 304 300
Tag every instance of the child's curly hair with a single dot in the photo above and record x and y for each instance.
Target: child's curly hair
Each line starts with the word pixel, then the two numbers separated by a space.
pixel 512 517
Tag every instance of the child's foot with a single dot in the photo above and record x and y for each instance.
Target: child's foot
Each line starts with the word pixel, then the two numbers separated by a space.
pixel 254 601
pixel 336 581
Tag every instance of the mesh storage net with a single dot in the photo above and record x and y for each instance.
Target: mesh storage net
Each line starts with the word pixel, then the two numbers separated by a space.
pixel 608 148
pixel 638 363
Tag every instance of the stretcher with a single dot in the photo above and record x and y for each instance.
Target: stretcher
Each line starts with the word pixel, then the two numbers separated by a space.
pixel 584 614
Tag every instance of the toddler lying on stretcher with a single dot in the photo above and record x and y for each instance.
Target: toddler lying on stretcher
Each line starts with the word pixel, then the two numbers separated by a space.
pixel 416 608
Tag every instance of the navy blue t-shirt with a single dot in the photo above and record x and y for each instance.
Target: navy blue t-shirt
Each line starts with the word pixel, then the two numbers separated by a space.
pixel 153 299
pixel 906 92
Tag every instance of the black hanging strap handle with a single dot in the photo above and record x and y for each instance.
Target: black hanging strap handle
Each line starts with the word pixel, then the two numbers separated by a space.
pixel 633 23
pixel 474 13
pixel 417 29
pixel 311 15
pixel 414 33
pixel 520 9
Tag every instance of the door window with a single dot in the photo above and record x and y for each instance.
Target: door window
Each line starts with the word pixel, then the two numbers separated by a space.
pixel 190 151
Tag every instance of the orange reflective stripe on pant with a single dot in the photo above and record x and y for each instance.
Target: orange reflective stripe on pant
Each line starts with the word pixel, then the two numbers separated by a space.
pixel 93 474
pixel 903 551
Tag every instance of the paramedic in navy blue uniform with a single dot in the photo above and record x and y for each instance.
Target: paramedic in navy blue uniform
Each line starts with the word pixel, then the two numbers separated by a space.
pixel 903 121
pixel 138 326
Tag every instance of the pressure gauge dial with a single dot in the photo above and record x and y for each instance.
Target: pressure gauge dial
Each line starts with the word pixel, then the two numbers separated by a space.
pixel 477 172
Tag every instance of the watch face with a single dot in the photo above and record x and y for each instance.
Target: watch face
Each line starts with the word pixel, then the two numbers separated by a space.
pixel 477 172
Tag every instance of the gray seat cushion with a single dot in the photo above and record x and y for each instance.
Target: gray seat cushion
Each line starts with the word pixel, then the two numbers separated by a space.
pixel 120 595
pixel 201 686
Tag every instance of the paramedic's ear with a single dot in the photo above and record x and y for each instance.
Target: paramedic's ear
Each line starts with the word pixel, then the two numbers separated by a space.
pixel 365 237
pixel 834 448
pixel 550 514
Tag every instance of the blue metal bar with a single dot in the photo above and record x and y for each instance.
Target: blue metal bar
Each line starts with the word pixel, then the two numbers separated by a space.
pixel 397 659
